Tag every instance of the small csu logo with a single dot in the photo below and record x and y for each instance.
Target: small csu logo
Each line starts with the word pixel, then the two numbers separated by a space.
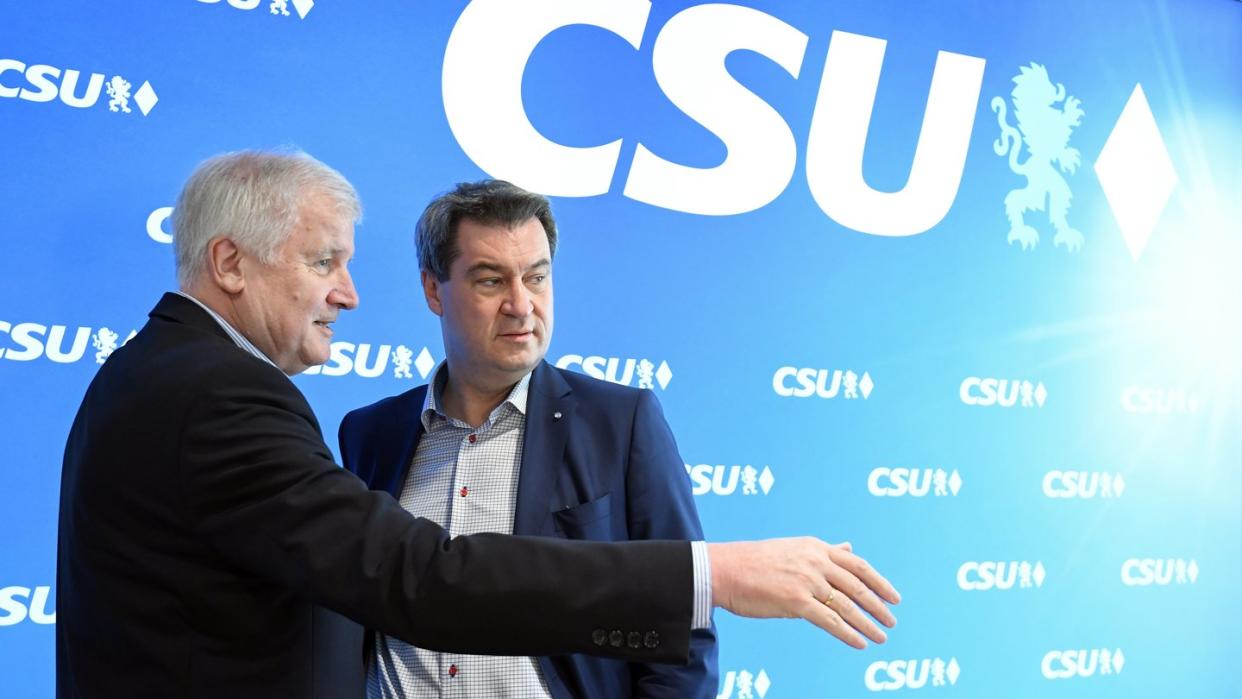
pixel 345 358
pixel 1000 575
pixel 1150 400
pixel 41 82
pixel 1083 484
pixel 721 479
pixel 620 371
pixel 892 675
pixel 797 382
pixel 748 685
pixel 1005 393
pixel 1065 664
pixel 28 342
pixel 279 8
pixel 916 483
pixel 18 604
pixel 1141 572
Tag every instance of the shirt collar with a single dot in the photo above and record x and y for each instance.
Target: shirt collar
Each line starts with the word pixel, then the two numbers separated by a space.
pixel 435 391
pixel 235 335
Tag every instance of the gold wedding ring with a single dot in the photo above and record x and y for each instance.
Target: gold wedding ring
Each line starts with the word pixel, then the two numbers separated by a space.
pixel 832 594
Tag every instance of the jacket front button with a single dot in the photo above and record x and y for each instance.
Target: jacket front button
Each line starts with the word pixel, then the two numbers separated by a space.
pixel 599 636
pixel 652 640
pixel 634 640
pixel 616 639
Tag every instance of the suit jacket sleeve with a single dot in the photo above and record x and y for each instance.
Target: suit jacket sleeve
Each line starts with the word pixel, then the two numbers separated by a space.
pixel 661 506
pixel 260 485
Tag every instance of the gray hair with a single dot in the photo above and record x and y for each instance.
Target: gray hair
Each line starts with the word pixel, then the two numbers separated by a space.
pixel 489 202
pixel 254 198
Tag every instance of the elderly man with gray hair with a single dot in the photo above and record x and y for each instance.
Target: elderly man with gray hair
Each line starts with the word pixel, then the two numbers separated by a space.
pixel 202 517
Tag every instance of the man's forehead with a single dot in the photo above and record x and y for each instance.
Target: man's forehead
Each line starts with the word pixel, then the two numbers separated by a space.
pixel 478 240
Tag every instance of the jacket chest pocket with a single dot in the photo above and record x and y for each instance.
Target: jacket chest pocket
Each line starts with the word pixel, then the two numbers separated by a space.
pixel 590 520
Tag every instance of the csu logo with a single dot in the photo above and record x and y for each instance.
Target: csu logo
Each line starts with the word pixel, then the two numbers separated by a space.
pixel 1064 664
pixel 748 686
pixel 46 83
pixel 18 604
pixel 485 62
pixel 897 482
pixel 27 342
pixel 1000 575
pixel 348 358
pixel 1159 401
pixel 1003 392
pixel 279 8
pixel 803 383
pixel 723 480
pixel 620 371
pixel 1081 484
pixel 891 675
pixel 1140 572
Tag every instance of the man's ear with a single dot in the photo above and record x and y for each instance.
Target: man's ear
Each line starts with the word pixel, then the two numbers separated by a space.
pixel 431 290
pixel 224 264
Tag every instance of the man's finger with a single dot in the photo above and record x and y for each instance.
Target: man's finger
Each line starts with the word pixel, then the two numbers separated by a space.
pixel 854 616
pixel 864 572
pixel 825 618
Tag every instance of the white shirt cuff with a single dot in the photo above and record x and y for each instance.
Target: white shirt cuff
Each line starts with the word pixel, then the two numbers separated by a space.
pixel 702 615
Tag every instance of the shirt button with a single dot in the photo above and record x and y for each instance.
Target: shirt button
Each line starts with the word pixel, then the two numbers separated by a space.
pixel 452 670
pixel 473 438
pixel 464 491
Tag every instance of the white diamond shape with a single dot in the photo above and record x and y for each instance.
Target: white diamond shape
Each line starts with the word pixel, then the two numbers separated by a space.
pixel 766 479
pixel 955 482
pixel 664 374
pixel 866 385
pixel 1119 485
pixel 1039 574
pixel 762 683
pixel 303 7
pixel 424 363
pixel 1041 394
pixel 146 98
pixel 1136 173
pixel 1119 660
pixel 1192 570
pixel 953 671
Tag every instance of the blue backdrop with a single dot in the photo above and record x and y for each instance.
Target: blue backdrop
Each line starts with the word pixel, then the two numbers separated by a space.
pixel 955 281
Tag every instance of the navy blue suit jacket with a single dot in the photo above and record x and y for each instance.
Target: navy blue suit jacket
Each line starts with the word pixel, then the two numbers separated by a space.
pixel 598 463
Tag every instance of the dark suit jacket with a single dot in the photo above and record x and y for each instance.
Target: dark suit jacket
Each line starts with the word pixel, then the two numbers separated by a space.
pixel 606 469
pixel 202 516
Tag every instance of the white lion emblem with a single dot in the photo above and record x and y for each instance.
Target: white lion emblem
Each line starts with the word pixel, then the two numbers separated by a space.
pixel 105 342
pixel 118 90
pixel 1045 130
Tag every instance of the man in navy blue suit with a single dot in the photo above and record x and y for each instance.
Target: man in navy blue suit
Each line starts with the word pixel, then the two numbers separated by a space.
pixel 500 441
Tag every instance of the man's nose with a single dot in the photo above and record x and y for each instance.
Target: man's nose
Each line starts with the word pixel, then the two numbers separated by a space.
pixel 519 302
pixel 344 294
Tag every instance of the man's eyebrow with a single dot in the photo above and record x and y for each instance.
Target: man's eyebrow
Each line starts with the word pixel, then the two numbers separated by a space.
pixel 485 267
pixel 505 269
pixel 329 252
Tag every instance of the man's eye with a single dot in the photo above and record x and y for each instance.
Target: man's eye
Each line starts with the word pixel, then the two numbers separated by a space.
pixel 538 279
pixel 491 282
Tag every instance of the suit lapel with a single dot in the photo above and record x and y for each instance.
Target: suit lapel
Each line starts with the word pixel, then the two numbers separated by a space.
pixel 395 455
pixel 549 409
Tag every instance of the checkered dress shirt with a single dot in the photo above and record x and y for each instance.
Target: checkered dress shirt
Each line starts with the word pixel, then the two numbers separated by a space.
pixel 465 480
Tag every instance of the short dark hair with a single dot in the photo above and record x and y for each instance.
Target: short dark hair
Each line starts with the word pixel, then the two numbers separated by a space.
pixel 489 202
